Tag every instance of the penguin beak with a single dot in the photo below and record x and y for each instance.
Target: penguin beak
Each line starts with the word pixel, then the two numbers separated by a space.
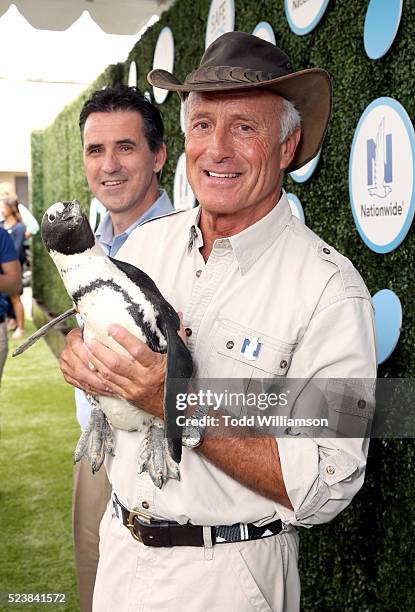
pixel 72 212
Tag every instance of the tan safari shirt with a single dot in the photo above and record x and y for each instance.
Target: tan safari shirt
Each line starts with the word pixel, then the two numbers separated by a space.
pixel 309 308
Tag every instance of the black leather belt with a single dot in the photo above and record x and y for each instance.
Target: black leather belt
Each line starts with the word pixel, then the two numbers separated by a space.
pixel 151 532
pixel 2 318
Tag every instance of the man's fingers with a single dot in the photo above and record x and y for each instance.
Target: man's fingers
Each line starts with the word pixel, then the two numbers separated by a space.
pixel 74 336
pixel 75 368
pixel 85 379
pixel 99 389
pixel 138 350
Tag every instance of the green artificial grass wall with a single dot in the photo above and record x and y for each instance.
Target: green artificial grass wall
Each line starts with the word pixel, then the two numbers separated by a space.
pixel 362 561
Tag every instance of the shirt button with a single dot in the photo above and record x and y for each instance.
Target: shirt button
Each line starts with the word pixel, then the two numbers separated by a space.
pixel 188 331
pixel 361 404
pixel 326 251
pixel 198 273
pixel 230 344
pixel 283 364
pixel 330 469
pixel 145 505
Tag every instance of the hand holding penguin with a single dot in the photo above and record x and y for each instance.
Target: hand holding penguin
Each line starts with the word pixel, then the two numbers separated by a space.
pixel 139 378
pixel 74 363
pixel 143 364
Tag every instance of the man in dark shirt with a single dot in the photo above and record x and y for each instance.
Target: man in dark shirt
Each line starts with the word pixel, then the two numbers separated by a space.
pixel 10 283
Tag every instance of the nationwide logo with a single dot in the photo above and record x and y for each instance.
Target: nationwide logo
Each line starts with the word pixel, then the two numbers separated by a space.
pixel 379 163
pixel 297 3
pixel 381 175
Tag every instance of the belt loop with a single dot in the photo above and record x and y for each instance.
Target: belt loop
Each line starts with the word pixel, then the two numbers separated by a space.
pixel 207 542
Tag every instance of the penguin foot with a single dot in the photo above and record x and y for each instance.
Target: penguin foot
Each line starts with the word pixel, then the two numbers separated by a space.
pixel 96 440
pixel 156 459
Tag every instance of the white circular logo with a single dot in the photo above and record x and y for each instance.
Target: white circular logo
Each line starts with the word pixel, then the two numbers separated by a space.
pixel 96 213
pixel 132 75
pixel 183 196
pixel 295 205
pixel 221 19
pixel 304 15
pixel 264 30
pixel 381 175
pixel 305 172
pixel 163 59
pixel 182 118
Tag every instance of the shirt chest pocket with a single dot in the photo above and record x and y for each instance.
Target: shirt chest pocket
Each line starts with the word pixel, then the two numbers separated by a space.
pixel 237 351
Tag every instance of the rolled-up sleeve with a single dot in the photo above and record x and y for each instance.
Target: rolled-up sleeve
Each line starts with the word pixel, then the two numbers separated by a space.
pixel 323 474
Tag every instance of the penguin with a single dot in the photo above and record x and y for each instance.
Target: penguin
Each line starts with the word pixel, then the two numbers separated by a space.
pixel 104 291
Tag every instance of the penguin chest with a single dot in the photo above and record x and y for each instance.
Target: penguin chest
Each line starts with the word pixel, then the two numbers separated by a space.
pixel 103 306
pixel 123 415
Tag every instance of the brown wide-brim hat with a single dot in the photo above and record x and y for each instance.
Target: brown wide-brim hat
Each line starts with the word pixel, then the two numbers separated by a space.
pixel 239 61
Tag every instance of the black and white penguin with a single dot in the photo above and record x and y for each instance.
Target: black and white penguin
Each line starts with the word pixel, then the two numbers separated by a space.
pixel 107 291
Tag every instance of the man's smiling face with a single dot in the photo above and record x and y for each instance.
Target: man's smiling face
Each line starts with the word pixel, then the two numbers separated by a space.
pixel 233 151
pixel 120 167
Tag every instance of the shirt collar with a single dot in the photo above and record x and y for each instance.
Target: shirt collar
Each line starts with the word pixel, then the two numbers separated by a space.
pixel 105 230
pixel 252 242
pixel 161 207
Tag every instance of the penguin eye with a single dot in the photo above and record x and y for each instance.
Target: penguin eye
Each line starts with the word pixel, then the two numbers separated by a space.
pixel 52 218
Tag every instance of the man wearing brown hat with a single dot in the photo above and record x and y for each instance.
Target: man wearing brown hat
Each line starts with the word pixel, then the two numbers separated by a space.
pixel 262 297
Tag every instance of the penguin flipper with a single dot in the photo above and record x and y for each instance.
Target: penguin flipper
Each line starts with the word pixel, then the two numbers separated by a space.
pixel 43 331
pixel 178 372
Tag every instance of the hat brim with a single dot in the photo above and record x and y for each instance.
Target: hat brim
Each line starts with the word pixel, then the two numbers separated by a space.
pixel 310 90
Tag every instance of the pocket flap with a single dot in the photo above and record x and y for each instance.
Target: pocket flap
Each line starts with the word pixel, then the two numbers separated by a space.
pixel 253 348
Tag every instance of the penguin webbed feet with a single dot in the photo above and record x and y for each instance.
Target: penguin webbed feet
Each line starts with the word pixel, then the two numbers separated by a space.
pixel 97 439
pixel 156 458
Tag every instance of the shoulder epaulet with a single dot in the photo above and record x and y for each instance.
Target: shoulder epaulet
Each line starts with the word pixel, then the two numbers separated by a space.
pixel 352 281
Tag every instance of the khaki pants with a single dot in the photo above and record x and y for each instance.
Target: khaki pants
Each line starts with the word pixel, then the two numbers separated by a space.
pixel 256 576
pixel 91 493
pixel 3 346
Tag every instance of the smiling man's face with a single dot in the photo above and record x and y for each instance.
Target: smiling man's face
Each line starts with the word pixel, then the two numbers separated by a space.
pixel 120 167
pixel 233 152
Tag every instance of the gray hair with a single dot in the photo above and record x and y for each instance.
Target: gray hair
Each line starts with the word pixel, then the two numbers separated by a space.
pixel 290 118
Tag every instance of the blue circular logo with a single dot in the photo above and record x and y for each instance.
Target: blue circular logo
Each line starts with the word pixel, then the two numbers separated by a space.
pixel 381 25
pixel 382 175
pixel 388 323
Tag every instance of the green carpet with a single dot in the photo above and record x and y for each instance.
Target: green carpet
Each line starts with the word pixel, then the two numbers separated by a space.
pixel 38 435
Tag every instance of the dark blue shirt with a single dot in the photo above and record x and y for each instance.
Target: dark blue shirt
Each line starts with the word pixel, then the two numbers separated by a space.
pixel 17 234
pixel 7 253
